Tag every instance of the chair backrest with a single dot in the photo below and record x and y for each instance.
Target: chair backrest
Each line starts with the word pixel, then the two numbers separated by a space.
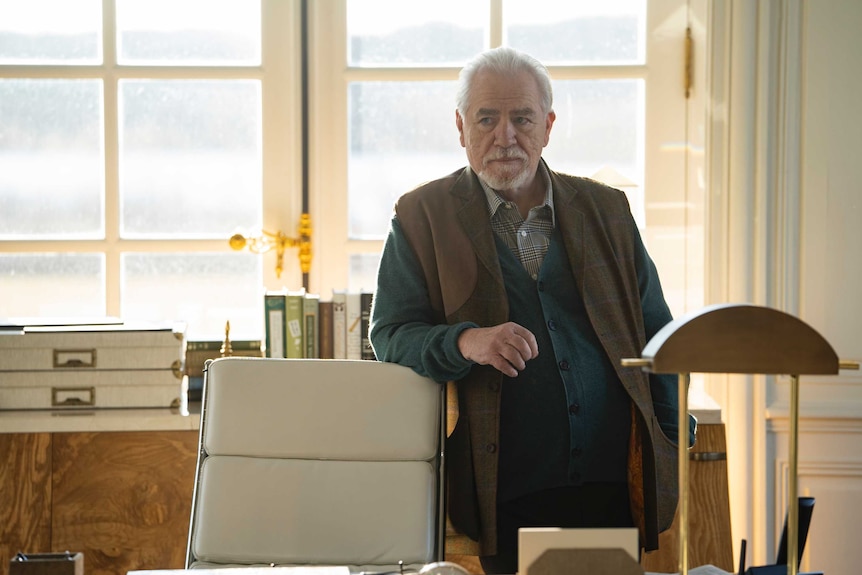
pixel 318 462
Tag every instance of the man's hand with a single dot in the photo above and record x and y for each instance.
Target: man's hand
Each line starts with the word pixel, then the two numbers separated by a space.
pixel 507 346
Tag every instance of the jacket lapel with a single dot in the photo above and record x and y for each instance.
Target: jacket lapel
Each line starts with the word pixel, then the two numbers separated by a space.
pixel 570 218
pixel 474 220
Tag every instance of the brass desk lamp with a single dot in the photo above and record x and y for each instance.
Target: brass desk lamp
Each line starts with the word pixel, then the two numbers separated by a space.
pixel 746 339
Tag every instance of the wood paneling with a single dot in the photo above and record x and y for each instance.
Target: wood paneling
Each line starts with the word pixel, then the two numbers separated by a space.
pixel 709 537
pixel 25 495
pixel 124 498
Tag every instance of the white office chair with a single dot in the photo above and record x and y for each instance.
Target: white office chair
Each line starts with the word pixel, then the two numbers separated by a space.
pixel 318 462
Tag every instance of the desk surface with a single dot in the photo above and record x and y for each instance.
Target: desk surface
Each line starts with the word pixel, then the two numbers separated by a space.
pixel 75 420
pixel 186 417
pixel 702 570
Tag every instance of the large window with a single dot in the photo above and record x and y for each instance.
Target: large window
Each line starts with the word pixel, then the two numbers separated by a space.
pixel 388 70
pixel 132 144
pixel 137 135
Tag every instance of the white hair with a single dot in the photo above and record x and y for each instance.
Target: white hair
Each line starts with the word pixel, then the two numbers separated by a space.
pixel 508 61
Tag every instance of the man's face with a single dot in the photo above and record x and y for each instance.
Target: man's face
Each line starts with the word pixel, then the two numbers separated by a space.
pixel 504 129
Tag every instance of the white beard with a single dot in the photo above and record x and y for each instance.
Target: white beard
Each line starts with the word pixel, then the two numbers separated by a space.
pixel 506 182
pixel 503 182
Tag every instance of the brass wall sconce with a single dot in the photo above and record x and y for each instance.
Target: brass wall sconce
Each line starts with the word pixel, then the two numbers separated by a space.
pixel 278 240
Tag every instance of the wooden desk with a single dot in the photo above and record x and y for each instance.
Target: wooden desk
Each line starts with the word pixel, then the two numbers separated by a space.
pixel 122 496
pixel 118 487
pixel 710 540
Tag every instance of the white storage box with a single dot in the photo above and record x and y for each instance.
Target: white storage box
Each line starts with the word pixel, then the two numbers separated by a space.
pixel 91 366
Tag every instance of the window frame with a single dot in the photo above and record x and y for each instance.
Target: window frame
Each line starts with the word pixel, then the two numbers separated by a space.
pixel 671 204
pixel 279 74
pixel 328 79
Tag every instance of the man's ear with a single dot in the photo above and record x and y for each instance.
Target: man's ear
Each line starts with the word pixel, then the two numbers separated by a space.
pixel 549 122
pixel 459 123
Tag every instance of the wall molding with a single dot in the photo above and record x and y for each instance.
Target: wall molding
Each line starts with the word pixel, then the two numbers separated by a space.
pixel 809 422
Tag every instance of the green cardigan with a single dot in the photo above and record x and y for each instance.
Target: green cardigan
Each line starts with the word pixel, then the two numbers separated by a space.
pixel 440 274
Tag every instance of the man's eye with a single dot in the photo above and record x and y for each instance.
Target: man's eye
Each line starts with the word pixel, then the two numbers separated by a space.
pixel 486 121
pixel 522 120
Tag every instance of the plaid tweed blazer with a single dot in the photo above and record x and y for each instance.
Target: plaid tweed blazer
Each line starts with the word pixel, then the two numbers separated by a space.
pixel 446 222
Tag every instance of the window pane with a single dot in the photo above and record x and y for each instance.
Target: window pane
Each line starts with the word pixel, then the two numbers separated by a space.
pixel 51 166
pixel 599 133
pixel 188 32
pixel 399 33
pixel 204 290
pixel 362 275
pixel 578 31
pixel 401 134
pixel 190 157
pixel 52 285
pixel 51 32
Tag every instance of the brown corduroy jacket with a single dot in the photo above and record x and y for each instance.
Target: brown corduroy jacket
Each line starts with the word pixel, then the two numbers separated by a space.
pixel 446 223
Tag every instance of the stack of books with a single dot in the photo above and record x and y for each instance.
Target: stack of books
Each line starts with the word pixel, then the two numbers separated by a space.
pixel 300 325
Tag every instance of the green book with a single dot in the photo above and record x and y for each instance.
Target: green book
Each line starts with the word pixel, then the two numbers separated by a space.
pixel 310 338
pixel 294 319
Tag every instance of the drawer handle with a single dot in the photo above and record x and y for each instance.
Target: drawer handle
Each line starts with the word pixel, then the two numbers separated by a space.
pixel 74 358
pixel 73 396
pixel 708 456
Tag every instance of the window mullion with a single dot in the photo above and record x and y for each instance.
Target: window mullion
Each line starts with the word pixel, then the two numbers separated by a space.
pixel 495 29
pixel 110 146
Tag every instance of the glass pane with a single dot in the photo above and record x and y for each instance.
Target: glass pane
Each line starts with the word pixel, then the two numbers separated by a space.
pixel 399 33
pixel 362 275
pixel 52 285
pixel 51 32
pixel 190 157
pixel 599 134
pixel 578 31
pixel 51 166
pixel 204 290
pixel 188 32
pixel 401 134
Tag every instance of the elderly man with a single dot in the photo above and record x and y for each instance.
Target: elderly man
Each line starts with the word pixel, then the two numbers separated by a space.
pixel 525 287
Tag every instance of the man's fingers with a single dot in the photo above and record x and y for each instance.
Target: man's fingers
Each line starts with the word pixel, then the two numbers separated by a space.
pixel 507 347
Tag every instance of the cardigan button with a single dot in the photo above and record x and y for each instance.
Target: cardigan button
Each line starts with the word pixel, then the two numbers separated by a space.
pixel 564 365
pixel 491 448
pixel 494 386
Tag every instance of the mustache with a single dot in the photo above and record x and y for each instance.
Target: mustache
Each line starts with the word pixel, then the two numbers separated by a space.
pixel 506 154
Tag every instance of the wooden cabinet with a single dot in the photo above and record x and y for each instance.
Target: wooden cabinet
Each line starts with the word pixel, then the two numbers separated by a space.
pixel 25 494
pixel 709 512
pixel 122 498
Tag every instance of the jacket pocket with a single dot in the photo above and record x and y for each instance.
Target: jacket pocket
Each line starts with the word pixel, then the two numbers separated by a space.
pixel 462 503
pixel 667 476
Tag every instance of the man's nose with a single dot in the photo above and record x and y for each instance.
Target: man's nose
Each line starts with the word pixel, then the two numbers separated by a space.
pixel 504 133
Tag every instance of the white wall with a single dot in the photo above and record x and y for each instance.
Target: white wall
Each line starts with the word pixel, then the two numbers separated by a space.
pixel 830 285
pixel 785 221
